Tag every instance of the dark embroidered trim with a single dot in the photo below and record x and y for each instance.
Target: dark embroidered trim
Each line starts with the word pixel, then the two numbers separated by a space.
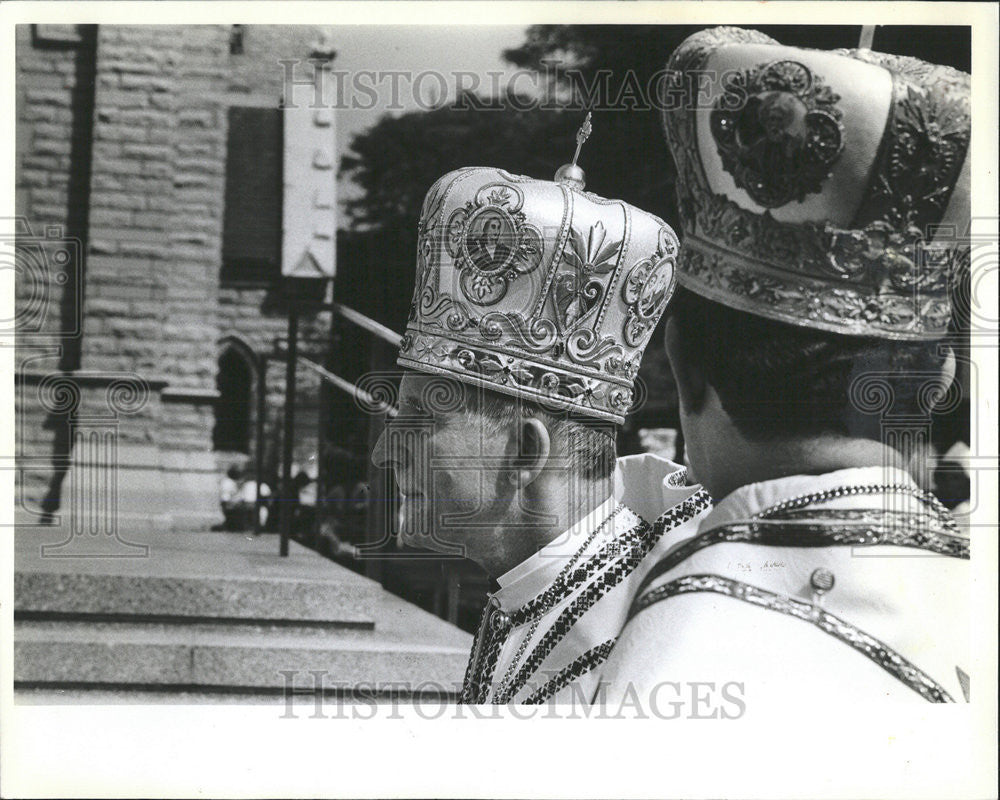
pixel 926 525
pixel 614 575
pixel 868 646
pixel 564 573
pixel 602 584
pixel 797 533
pixel 478 676
pixel 495 625
pixel 594 657
pixel 563 587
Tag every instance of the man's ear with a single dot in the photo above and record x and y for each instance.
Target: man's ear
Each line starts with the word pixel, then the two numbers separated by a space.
pixel 532 449
pixel 689 377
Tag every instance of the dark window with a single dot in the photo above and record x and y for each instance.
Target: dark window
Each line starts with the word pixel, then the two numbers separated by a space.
pixel 232 409
pixel 236 33
pixel 251 234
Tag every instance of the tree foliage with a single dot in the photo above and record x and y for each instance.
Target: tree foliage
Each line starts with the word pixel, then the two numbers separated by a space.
pixel 396 161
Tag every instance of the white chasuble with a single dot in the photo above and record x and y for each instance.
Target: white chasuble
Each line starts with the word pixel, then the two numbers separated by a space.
pixel 848 586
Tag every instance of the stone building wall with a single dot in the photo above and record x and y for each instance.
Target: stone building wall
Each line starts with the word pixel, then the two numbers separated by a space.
pixel 54 104
pixel 121 148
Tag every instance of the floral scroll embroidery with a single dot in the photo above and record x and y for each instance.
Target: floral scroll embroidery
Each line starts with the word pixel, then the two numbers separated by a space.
pixel 881 274
pixel 577 292
pixel 778 131
pixel 492 243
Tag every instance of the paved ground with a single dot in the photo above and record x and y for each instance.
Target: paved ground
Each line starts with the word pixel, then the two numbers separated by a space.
pixel 203 554
pixel 213 610
pixel 192 575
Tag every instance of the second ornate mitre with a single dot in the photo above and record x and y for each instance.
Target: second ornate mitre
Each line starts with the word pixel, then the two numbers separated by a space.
pixel 825 189
pixel 537 289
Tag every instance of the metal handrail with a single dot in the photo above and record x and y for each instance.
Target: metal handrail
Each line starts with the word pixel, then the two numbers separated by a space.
pixel 290 358
pixel 370 325
pixel 350 388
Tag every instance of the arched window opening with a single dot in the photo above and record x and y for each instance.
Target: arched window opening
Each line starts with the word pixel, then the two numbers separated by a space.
pixel 235 383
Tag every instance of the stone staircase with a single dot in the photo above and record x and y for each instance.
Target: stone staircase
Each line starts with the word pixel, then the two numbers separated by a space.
pixel 218 614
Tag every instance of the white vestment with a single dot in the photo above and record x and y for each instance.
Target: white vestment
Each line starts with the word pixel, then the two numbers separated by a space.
pixel 726 612
pixel 552 656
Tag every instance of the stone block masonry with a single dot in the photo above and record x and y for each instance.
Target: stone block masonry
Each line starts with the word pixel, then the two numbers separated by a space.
pixel 121 147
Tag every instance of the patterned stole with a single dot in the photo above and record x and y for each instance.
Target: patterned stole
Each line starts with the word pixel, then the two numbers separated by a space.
pixel 586 585
pixel 814 528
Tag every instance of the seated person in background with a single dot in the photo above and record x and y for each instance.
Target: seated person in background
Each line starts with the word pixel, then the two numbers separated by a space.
pixel 305 511
pixel 229 489
pixel 247 499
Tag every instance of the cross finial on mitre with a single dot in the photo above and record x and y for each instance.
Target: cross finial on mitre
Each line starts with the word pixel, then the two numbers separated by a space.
pixel 570 174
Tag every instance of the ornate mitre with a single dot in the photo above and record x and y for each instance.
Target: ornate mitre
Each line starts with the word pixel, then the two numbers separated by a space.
pixel 823 189
pixel 537 289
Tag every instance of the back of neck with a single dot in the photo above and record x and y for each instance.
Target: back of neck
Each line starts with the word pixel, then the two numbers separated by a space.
pixel 749 462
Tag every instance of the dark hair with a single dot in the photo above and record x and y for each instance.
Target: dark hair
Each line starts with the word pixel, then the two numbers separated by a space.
pixel 951 483
pixel 783 381
pixel 588 445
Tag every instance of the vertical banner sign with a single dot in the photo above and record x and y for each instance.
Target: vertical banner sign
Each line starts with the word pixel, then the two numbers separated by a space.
pixel 309 204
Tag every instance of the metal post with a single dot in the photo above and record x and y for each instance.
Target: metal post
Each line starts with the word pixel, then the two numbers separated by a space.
pixel 288 438
pixel 375 516
pixel 259 445
pixel 326 425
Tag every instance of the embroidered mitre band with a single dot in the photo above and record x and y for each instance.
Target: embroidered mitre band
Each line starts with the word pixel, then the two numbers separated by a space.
pixel 537 289
pixel 823 189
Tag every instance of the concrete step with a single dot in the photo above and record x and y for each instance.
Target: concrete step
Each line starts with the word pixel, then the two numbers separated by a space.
pixel 237 658
pixel 302 704
pixel 218 576
pixel 206 613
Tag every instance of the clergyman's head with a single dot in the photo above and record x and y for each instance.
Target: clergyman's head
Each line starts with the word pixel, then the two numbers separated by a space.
pixel 474 467
pixel 767 381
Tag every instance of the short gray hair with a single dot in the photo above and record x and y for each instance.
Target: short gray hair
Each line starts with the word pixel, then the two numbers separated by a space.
pixel 589 445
